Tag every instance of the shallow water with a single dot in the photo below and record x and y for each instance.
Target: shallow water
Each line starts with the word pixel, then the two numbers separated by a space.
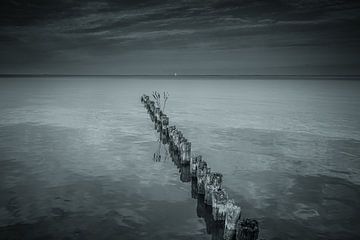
pixel 76 157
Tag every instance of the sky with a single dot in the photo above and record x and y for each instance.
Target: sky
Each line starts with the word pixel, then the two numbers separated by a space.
pixel 183 36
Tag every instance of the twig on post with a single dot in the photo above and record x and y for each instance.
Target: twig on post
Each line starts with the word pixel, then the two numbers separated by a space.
pixel 156 95
pixel 166 96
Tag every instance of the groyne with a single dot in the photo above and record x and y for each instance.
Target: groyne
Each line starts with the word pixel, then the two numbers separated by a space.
pixel 222 214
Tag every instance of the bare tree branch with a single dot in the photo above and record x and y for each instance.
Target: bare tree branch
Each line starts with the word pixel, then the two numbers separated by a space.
pixel 157 96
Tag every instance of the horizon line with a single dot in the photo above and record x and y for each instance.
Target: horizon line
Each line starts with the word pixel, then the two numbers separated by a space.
pixel 2 75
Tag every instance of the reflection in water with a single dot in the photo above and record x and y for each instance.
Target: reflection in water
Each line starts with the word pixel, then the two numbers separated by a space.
pixel 213 227
pixel 157 157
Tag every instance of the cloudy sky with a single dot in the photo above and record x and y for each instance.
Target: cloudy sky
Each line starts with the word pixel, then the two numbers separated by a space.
pixel 183 36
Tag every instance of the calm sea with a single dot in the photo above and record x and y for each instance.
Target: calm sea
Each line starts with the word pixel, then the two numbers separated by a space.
pixel 76 157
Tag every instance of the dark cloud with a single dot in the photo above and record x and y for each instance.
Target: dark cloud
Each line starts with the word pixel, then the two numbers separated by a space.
pixel 195 36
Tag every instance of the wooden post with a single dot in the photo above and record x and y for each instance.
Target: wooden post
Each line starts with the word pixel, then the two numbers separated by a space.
pixel 213 182
pixel 181 147
pixel 177 139
pixel 233 213
pixel 185 173
pixel 159 122
pixel 156 117
pixel 247 229
pixel 172 130
pixel 152 106
pixel 165 120
pixel 164 128
pixel 186 152
pixel 180 141
pixel 151 110
pixel 201 176
pixel 194 187
pixel 144 98
pixel 194 163
pixel 219 200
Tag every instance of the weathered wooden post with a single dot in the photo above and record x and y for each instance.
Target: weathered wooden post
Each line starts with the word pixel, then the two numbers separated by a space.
pixel 156 117
pixel 181 140
pixel 177 136
pixel 152 106
pixel 171 131
pixel 181 147
pixel 219 201
pixel 157 113
pixel 247 229
pixel 185 175
pixel 151 109
pixel 176 159
pixel 145 99
pixel 203 170
pixel 176 139
pixel 186 152
pixel 213 182
pixel 175 156
pixel 194 187
pixel 146 102
pixel 172 146
pixel 233 213
pixel 194 163
pixel 164 128
pixel 159 122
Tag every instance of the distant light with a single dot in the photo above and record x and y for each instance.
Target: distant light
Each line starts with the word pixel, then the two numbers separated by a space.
pixel 175 74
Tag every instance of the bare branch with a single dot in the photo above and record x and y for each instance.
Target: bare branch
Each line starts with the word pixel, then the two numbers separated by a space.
pixel 157 96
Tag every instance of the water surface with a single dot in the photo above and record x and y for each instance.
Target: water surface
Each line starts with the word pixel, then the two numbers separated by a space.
pixel 76 157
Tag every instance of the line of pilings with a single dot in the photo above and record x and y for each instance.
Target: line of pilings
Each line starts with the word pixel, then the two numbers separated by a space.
pixel 206 185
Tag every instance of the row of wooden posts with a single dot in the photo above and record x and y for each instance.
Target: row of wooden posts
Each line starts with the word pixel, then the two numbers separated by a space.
pixel 205 183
